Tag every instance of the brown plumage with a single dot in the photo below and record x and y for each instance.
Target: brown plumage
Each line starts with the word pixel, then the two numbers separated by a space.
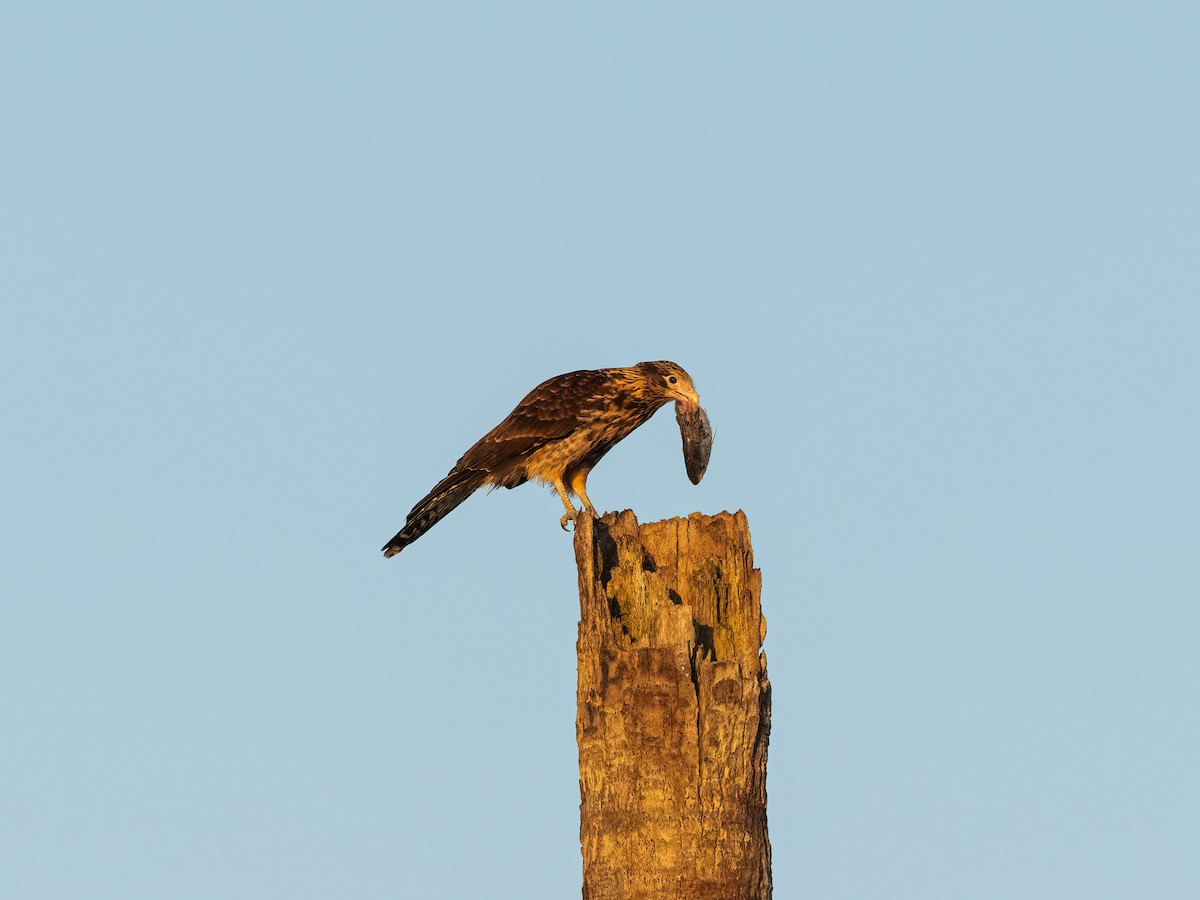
pixel 556 435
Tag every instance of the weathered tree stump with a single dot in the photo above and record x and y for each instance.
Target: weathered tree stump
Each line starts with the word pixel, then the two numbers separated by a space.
pixel 674 710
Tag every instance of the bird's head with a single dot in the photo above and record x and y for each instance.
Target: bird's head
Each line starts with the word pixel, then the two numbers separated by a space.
pixel 667 381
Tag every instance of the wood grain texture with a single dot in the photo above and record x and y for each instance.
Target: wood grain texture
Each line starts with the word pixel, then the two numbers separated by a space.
pixel 674 710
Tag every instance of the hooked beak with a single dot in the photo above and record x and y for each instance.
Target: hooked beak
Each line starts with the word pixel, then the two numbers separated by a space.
pixel 688 397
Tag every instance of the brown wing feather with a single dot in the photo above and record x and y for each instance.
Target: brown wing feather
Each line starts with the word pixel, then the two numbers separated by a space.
pixel 549 412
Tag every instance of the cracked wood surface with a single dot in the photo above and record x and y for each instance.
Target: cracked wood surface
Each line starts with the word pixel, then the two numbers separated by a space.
pixel 674 710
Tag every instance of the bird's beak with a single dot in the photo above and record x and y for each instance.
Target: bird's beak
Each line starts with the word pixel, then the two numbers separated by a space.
pixel 689 398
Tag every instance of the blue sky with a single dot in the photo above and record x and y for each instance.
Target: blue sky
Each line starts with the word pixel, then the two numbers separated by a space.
pixel 269 270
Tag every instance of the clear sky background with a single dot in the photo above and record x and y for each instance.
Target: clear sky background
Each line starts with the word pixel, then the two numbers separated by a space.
pixel 267 270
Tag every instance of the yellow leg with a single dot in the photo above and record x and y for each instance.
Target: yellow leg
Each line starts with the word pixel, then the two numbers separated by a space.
pixel 579 489
pixel 570 514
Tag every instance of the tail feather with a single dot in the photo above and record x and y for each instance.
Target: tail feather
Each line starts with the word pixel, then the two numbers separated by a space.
pixel 446 494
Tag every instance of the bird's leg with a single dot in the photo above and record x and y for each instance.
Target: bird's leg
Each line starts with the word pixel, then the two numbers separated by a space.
pixel 579 489
pixel 570 514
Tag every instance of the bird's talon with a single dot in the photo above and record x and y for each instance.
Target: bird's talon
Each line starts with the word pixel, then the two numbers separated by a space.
pixel 567 517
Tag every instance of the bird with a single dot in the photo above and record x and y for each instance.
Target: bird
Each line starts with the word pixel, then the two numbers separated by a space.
pixel 555 436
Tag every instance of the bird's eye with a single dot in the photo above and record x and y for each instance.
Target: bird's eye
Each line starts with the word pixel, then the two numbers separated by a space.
pixel 672 379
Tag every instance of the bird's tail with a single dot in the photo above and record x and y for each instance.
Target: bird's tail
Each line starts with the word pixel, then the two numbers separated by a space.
pixel 446 494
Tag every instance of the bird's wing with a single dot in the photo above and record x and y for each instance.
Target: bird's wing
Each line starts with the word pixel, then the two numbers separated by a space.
pixel 549 412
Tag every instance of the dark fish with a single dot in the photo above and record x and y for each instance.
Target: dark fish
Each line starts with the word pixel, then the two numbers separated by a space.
pixel 697 439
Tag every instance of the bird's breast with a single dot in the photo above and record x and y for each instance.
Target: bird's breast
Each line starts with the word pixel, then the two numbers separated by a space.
pixel 593 438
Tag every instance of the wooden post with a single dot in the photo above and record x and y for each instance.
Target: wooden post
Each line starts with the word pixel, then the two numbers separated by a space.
pixel 674 710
